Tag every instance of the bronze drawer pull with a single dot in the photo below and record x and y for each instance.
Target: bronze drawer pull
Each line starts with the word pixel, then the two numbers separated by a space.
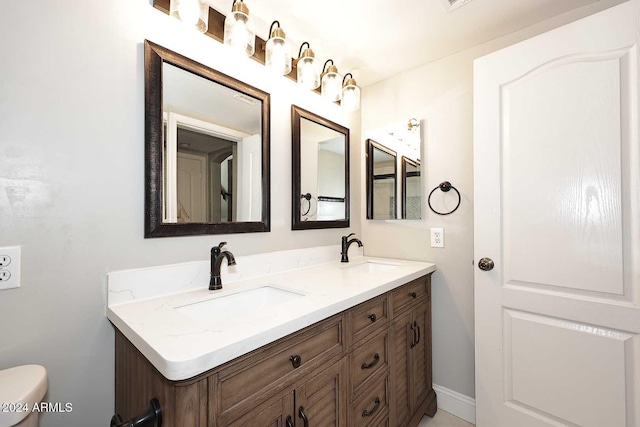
pixel 376 359
pixel 296 361
pixel 413 339
pixel 367 413
pixel 372 317
pixel 414 295
pixel 302 415
pixel 289 421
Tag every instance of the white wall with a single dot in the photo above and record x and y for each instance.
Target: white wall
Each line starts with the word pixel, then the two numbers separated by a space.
pixel 440 94
pixel 72 148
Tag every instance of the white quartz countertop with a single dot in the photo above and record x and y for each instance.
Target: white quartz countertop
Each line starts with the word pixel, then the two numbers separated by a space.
pixel 181 346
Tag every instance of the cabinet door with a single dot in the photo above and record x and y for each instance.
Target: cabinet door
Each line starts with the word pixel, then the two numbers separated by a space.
pixel 274 413
pixel 322 400
pixel 421 355
pixel 402 339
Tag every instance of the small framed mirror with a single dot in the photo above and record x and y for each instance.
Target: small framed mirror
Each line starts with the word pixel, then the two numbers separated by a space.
pixel 411 192
pixel 394 169
pixel 381 181
pixel 320 172
pixel 206 149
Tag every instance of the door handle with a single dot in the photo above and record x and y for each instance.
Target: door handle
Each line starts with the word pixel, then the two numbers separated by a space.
pixel 419 334
pixel 302 415
pixel 413 339
pixel 376 359
pixel 486 264
pixel 289 421
pixel 367 413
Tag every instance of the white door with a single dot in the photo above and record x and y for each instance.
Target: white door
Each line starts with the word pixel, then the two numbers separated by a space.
pixel 192 188
pixel 249 182
pixel 557 210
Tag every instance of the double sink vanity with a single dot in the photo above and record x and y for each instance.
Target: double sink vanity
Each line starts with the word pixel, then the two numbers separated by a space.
pixel 323 344
pixel 291 338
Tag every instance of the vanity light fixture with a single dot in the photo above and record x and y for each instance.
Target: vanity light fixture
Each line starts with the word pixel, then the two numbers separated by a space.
pixel 194 13
pixel 350 93
pixel 308 74
pixel 239 32
pixel 278 51
pixel 331 82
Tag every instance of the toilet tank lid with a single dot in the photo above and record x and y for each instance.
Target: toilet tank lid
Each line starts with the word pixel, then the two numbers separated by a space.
pixel 21 384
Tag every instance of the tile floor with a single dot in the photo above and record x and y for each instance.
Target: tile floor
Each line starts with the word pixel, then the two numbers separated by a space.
pixel 443 419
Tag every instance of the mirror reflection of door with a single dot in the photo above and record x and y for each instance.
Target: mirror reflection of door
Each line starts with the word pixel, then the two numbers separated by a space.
pixel 411 199
pixel 204 193
pixel 212 158
pixel 381 181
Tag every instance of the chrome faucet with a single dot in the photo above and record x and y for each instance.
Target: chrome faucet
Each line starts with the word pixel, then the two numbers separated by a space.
pixel 217 255
pixel 345 246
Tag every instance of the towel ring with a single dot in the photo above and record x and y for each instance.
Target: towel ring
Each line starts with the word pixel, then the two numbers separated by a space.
pixel 445 187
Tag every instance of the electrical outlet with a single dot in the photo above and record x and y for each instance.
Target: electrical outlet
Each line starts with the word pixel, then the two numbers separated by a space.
pixel 9 267
pixel 437 237
pixel 5 260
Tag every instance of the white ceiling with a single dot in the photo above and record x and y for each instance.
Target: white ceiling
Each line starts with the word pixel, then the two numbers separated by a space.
pixel 376 39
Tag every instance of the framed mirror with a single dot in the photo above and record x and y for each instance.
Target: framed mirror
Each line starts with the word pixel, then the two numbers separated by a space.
pixel 206 149
pixel 381 181
pixel 320 172
pixel 394 169
pixel 411 199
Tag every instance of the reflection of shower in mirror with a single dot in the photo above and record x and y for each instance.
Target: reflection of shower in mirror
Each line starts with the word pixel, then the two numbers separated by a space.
pixel 404 139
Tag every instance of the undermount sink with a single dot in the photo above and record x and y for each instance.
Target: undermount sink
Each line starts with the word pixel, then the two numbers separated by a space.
pixel 223 308
pixel 372 267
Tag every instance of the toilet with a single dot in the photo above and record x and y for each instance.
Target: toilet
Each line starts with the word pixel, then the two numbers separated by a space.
pixel 21 388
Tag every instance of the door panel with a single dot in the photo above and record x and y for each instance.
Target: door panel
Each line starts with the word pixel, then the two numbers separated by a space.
pixel 557 208
pixel 402 338
pixel 564 120
pixel 546 360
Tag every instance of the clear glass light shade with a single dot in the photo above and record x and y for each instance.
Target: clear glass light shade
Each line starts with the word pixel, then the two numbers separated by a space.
pixel 194 13
pixel 308 73
pixel 239 33
pixel 332 86
pixel 351 97
pixel 278 55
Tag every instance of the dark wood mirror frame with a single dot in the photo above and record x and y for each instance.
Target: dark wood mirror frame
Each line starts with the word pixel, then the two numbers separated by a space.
pixel 154 56
pixel 371 145
pixel 297 114
pixel 406 162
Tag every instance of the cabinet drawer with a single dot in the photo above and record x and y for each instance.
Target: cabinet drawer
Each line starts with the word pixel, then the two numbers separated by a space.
pixel 272 367
pixel 404 297
pixel 367 360
pixel 368 316
pixel 368 408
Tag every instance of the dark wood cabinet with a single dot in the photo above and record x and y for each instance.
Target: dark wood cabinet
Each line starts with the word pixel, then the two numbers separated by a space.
pixel 368 366
pixel 411 372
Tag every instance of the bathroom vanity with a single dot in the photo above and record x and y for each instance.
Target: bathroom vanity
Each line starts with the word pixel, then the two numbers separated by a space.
pixel 355 351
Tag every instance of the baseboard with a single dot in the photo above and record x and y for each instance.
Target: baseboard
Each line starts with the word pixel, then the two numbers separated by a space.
pixel 455 403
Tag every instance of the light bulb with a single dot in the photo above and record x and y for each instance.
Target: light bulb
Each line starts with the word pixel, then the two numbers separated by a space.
pixel 332 86
pixel 278 56
pixel 308 75
pixel 351 98
pixel 238 30
pixel 194 13
pixel 189 11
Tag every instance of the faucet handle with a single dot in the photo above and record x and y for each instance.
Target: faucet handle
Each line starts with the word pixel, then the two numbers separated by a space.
pixel 221 245
pixel 349 235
